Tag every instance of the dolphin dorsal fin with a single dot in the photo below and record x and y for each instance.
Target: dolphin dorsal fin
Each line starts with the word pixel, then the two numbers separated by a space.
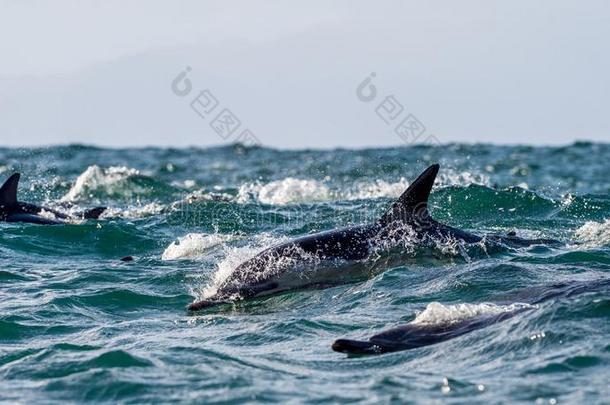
pixel 413 203
pixel 8 191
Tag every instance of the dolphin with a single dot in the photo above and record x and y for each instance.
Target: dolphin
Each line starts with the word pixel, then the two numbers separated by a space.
pixel 414 335
pixel 417 334
pixel 332 257
pixel 12 210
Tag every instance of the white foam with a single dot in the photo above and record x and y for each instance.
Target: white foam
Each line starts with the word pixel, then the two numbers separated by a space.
pixel 439 314
pixel 376 189
pixel 200 195
pixel 293 191
pixel 50 215
pixel 381 188
pixel 567 200
pixel 285 191
pixel 186 184
pixel 47 214
pixel 233 257
pixel 194 245
pixel 72 217
pixel 133 212
pixel 95 178
pixel 450 177
pixel 594 234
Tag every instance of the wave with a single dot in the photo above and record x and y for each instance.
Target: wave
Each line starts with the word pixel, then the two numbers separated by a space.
pixel 115 181
pixel 291 190
pixel 439 314
pixel 285 191
pixel 194 245
pixel 594 234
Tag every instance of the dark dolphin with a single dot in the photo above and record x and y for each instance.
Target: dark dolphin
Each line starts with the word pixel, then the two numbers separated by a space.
pixel 328 258
pixel 12 210
pixel 414 335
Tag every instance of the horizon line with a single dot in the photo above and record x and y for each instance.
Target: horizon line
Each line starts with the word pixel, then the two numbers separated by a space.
pixel 330 148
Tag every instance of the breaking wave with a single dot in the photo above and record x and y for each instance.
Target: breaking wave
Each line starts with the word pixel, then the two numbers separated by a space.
pixel 594 234
pixel 439 314
pixel 194 245
pixel 112 181
pixel 286 191
pixel 293 191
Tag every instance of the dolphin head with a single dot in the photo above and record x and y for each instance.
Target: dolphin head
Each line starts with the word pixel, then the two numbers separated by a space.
pixel 251 278
pixel 248 280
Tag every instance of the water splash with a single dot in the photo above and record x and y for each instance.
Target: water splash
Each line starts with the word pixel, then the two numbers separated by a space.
pixel 294 191
pixel 286 191
pixel 233 256
pixel 194 245
pixel 94 179
pixel 439 314
pixel 594 234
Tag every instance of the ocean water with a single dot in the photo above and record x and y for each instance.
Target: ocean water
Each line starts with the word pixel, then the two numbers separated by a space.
pixel 77 324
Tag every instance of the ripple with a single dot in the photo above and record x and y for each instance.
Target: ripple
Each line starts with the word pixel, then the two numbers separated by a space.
pixel 78 325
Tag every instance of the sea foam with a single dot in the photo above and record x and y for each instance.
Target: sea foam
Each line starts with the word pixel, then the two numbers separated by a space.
pixel 285 191
pixel 439 314
pixel 94 178
pixel 134 212
pixel 194 245
pixel 594 234
pixel 291 190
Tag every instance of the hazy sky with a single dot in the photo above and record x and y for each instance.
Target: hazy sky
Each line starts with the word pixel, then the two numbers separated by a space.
pixel 470 71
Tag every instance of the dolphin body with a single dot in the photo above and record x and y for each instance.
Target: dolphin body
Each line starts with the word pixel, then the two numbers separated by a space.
pixel 413 335
pixel 306 261
pixel 12 210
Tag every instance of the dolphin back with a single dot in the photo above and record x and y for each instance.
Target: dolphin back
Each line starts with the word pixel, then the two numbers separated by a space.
pixel 31 219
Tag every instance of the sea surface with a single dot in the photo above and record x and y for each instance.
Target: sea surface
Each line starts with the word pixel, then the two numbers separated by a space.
pixel 77 324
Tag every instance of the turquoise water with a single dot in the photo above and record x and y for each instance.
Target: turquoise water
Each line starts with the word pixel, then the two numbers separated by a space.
pixel 77 324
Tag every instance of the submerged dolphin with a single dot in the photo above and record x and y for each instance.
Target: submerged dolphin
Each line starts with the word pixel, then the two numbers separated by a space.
pixel 418 334
pixel 414 335
pixel 12 210
pixel 306 261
